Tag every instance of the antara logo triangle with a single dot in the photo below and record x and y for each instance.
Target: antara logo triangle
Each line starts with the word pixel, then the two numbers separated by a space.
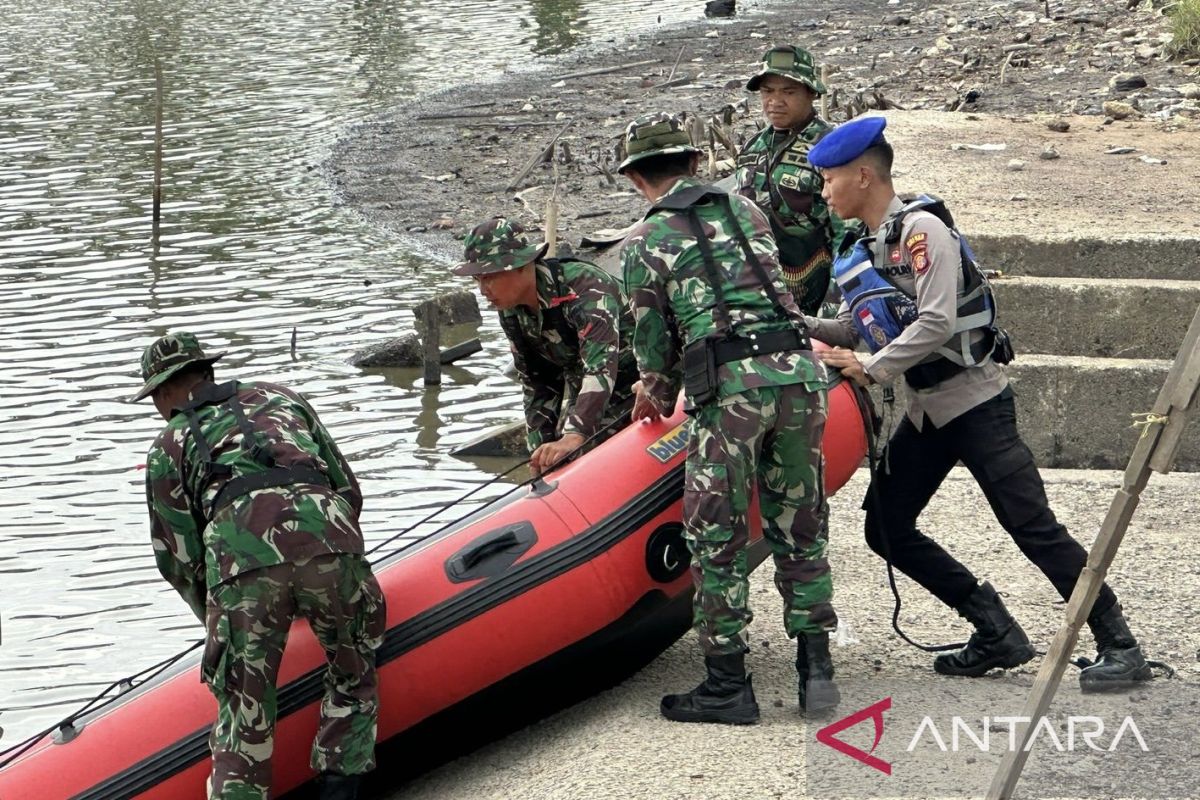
pixel 828 735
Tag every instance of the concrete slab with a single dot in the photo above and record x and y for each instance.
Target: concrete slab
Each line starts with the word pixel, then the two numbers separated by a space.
pixel 1169 258
pixel 1077 412
pixel 1108 318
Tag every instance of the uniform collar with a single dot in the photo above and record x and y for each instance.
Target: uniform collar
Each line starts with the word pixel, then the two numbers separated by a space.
pixel 680 185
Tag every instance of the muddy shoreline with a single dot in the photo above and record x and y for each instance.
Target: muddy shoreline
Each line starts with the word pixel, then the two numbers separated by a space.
pixel 430 170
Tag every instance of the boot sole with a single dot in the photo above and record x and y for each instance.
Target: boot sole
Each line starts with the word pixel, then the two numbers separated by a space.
pixel 747 716
pixel 1013 658
pixel 1126 680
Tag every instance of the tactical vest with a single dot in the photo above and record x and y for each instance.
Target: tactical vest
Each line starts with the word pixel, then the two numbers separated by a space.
pixel 701 358
pixel 225 396
pixel 880 310
pixel 554 317
pixel 794 249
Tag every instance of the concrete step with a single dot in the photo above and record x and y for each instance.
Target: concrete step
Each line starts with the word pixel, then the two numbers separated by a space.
pixel 1129 257
pixel 1107 318
pixel 1075 412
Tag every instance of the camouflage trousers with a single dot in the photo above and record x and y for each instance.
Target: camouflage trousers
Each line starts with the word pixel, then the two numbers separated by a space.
pixel 248 620
pixel 769 437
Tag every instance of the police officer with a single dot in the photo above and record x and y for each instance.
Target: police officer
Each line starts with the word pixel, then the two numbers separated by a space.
pixel 568 330
pixel 254 521
pixel 773 171
pixel 702 276
pixel 936 334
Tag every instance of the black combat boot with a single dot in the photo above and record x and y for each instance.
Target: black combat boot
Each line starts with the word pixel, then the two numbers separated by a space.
pixel 1119 663
pixel 725 696
pixel 339 787
pixel 818 693
pixel 998 640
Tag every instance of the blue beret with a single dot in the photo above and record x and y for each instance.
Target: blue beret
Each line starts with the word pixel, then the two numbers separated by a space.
pixel 847 142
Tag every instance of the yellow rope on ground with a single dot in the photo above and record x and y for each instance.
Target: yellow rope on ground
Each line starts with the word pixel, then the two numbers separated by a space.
pixel 1147 419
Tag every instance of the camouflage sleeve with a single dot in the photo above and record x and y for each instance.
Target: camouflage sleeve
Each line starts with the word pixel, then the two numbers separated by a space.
pixel 337 468
pixel 341 476
pixel 645 272
pixel 839 331
pixel 178 548
pixel 542 386
pixel 597 313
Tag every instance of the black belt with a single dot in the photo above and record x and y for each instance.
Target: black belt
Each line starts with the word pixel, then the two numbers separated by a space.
pixel 923 376
pixel 275 476
pixel 759 344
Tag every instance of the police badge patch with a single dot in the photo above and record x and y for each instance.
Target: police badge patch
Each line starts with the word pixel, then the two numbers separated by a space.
pixel 917 245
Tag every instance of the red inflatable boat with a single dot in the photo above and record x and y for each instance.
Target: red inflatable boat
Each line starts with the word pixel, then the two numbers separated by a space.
pixel 529 601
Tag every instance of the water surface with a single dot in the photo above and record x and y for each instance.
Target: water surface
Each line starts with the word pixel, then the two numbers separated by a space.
pixel 253 248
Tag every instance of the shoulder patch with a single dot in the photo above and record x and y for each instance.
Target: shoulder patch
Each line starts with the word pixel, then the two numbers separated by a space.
pixel 799 159
pixel 789 182
pixel 918 248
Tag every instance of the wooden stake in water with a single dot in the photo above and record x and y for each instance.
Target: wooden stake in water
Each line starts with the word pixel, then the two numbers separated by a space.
pixel 156 212
pixel 429 322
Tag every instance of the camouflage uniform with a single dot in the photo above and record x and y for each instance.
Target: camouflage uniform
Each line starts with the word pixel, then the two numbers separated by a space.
pixel 571 352
pixel 254 521
pixel 765 424
pixel 773 171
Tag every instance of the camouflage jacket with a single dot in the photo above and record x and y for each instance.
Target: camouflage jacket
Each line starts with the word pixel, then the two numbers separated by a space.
pixel 263 528
pixel 673 302
pixel 569 351
pixel 773 171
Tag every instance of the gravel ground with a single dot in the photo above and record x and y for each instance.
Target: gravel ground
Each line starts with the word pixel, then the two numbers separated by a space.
pixel 617 746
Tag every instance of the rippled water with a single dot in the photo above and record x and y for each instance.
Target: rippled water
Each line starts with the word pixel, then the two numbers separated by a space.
pixel 252 248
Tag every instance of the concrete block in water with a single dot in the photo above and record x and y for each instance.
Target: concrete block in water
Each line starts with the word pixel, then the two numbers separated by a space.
pixel 405 351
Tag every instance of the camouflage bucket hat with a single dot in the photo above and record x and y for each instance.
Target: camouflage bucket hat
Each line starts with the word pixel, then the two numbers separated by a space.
pixel 166 356
pixel 791 62
pixel 497 245
pixel 658 134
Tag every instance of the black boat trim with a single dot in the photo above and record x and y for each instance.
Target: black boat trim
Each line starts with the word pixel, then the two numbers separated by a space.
pixel 424 627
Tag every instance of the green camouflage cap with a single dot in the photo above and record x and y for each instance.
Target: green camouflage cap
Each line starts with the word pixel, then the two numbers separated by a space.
pixel 658 134
pixel 788 61
pixel 166 356
pixel 498 245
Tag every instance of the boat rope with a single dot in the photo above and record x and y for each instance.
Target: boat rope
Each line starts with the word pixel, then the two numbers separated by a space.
pixel 619 421
pixel 869 418
pixel 66 726
pixel 1146 420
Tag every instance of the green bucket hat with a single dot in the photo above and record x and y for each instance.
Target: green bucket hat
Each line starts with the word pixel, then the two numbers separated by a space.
pixel 658 134
pixel 166 356
pixel 498 245
pixel 788 61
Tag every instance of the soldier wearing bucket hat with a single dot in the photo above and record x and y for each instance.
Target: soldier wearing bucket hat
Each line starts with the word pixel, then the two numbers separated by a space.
pixel 568 330
pixel 915 296
pixel 167 356
pixel 252 505
pixel 653 136
pixel 773 171
pixel 715 320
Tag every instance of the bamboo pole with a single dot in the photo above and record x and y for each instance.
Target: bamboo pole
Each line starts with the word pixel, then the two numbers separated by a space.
pixel 156 197
pixel 1155 450
pixel 552 218
pixel 605 70
pixel 537 159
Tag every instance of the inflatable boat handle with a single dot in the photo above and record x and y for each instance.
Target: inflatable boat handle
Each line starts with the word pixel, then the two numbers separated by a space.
pixel 491 554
